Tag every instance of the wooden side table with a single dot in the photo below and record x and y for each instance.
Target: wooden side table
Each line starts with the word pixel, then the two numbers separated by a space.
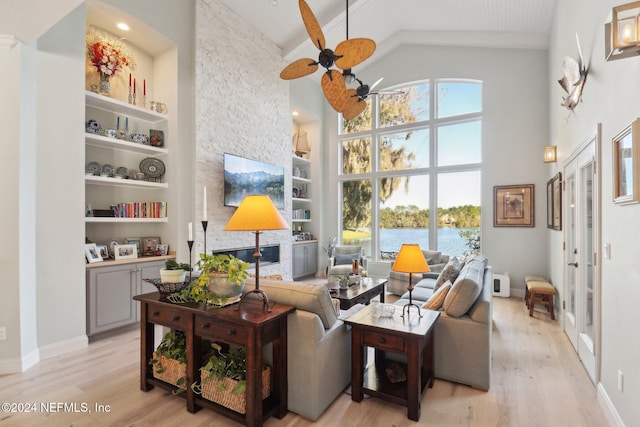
pixel 251 327
pixel 411 336
pixel 363 293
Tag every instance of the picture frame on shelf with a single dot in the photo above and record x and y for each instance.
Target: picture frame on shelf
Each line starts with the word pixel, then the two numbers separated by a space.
pixel 156 138
pixel 162 249
pixel 134 241
pixel 513 205
pixel 149 245
pixel 103 250
pixel 126 251
pixel 92 254
pixel 626 180
pixel 554 202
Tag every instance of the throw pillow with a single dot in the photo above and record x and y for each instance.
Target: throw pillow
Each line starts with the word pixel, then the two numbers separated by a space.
pixel 436 300
pixel 346 259
pixel 449 272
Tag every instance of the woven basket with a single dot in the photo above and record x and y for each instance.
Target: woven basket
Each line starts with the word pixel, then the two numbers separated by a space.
pixel 236 402
pixel 173 369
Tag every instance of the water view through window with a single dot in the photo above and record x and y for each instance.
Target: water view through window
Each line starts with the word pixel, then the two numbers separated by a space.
pixel 422 166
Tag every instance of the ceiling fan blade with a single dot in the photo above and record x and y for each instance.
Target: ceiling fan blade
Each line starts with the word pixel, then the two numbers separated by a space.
pixel 335 89
pixel 311 24
pixel 353 52
pixel 300 68
pixel 354 107
pixel 375 84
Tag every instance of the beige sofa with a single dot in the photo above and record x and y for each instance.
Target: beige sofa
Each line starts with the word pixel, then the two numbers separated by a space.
pixel 318 345
pixel 463 330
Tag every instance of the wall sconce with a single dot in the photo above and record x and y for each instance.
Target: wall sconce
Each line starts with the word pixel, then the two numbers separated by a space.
pixel 550 154
pixel 622 36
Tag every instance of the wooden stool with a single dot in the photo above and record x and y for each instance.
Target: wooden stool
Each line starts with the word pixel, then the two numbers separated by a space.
pixel 540 291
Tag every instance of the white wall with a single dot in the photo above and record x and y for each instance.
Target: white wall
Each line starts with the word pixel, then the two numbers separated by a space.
pixel 514 132
pixel 610 97
pixel 243 109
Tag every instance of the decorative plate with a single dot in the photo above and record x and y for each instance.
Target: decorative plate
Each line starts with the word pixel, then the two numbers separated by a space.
pixel 122 171
pixel 153 168
pixel 94 167
pixel 107 170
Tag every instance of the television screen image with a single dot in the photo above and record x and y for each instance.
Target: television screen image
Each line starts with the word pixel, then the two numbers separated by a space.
pixel 243 177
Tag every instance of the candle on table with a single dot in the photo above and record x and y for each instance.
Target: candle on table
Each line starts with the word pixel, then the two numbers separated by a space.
pixel 134 85
pixel 144 87
pixel 118 123
pixel 204 205
pixel 126 123
pixel 129 79
pixel 190 232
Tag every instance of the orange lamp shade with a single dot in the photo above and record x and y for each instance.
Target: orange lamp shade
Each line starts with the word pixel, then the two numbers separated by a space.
pixel 410 259
pixel 256 213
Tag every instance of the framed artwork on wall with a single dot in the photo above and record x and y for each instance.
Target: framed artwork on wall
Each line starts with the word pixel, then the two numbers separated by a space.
pixel 625 165
pixel 554 202
pixel 513 205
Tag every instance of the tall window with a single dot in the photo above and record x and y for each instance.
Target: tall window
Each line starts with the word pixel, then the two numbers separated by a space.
pixel 408 156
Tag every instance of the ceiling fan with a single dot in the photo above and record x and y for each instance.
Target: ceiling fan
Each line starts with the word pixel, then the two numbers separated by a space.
pixel 346 55
pixel 357 97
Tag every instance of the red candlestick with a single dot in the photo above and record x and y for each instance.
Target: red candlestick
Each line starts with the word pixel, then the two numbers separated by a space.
pixel 129 79
pixel 144 87
pixel 134 85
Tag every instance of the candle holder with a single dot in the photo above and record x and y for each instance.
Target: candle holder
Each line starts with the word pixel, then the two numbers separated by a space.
pixel 130 96
pixel 134 98
pixel 204 227
pixel 144 101
pixel 190 244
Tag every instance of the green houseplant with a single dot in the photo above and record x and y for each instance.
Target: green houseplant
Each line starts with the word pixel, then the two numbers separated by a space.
pixel 222 275
pixel 174 272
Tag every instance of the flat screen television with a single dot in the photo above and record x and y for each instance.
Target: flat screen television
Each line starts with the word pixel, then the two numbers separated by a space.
pixel 244 177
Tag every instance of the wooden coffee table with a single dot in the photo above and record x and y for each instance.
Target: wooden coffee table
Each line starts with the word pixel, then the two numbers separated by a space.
pixel 363 293
pixel 410 335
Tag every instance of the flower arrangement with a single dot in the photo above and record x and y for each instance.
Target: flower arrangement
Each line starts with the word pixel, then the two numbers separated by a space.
pixel 106 55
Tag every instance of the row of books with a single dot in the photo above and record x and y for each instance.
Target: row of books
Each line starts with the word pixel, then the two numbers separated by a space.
pixel 301 214
pixel 140 210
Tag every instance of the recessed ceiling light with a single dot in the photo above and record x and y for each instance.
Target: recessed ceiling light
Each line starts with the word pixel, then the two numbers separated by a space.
pixel 275 3
pixel 123 26
pixel 295 113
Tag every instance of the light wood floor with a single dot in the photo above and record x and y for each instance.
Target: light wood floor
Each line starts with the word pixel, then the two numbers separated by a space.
pixel 537 380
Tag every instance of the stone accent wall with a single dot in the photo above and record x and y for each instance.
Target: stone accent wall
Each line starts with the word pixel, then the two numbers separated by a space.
pixel 242 108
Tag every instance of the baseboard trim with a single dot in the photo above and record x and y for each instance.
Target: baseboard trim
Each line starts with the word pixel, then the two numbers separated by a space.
pixel 63 347
pixel 15 365
pixel 519 293
pixel 608 407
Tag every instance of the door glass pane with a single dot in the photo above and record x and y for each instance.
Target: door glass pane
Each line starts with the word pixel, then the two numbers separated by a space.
pixel 456 98
pixel 404 213
pixel 356 156
pixel 411 107
pixel 356 214
pixel 572 250
pixel 404 150
pixel 587 221
pixel 459 213
pixel 459 144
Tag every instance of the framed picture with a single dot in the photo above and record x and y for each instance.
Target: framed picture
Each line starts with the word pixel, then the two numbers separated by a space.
pixel 625 163
pixel 126 251
pixel 513 206
pixel 149 245
pixel 92 253
pixel 134 241
pixel 156 138
pixel 103 250
pixel 162 249
pixel 554 202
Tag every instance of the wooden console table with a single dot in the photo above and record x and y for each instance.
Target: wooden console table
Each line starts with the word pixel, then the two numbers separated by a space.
pixel 411 336
pixel 251 327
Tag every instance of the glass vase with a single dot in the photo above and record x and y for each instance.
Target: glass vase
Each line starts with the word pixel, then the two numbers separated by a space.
pixel 105 86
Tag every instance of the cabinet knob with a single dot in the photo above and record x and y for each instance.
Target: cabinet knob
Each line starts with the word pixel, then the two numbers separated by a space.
pixel 155 313
pixel 176 318
pixel 382 340
pixel 205 326
pixel 231 332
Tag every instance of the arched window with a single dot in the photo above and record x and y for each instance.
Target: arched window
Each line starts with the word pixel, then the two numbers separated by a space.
pixel 410 169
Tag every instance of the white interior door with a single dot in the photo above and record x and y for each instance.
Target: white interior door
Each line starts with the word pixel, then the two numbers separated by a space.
pixel 582 188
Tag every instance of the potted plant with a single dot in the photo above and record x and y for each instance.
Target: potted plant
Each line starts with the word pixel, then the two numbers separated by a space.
pixel 170 358
pixel 222 275
pixel 174 272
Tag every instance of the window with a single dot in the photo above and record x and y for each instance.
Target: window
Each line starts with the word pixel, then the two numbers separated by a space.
pixel 415 154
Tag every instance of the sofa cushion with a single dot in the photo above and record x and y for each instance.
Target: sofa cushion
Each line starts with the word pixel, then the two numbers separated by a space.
pixel 449 272
pixel 346 258
pixel 420 294
pixel 436 300
pixel 432 257
pixel 311 297
pixel 466 288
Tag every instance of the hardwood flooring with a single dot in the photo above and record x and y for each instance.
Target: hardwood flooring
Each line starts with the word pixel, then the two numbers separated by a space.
pixel 537 380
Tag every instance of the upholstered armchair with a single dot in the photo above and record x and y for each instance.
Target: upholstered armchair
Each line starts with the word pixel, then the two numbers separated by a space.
pixel 342 261
pixel 398 282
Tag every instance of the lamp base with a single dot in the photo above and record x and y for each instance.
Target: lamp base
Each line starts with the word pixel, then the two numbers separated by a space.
pixel 408 307
pixel 265 299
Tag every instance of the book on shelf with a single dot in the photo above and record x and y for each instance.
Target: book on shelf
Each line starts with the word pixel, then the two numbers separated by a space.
pixel 141 210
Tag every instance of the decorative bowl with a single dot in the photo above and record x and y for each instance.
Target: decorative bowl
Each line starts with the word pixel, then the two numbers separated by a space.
pixel 166 288
pixel 139 137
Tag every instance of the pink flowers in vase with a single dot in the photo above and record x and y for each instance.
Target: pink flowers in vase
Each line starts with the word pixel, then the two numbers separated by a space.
pixel 106 55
